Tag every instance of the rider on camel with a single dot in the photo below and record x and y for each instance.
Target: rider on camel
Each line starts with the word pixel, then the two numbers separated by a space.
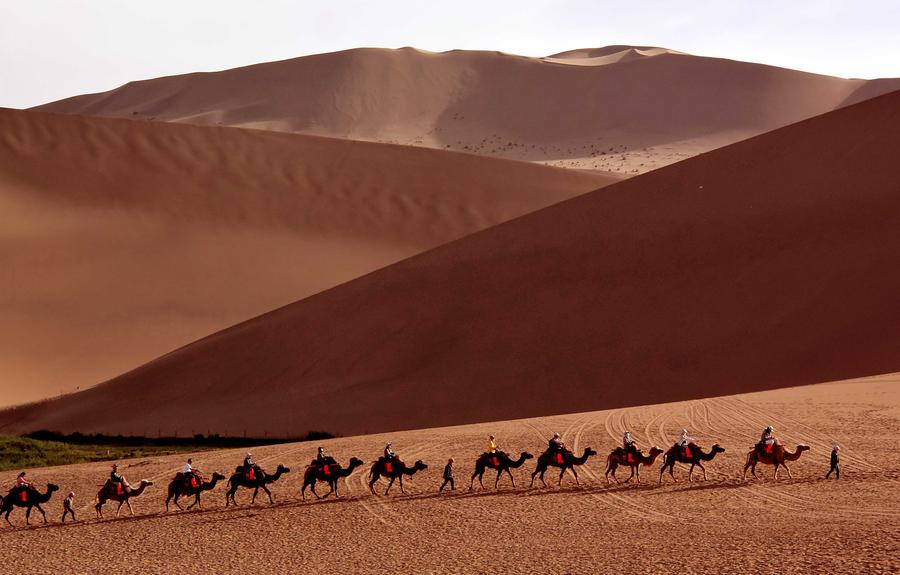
pixel 629 445
pixel 492 446
pixel 188 471
pixel 556 444
pixel 21 482
pixel 115 478
pixel 389 453
pixel 768 440
pixel 683 441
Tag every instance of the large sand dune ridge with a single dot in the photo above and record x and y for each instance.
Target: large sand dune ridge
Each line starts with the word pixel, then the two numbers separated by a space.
pixel 120 240
pixel 768 263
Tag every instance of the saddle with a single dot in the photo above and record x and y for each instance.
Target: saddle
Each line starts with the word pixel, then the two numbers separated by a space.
pixel 628 455
pixel 388 464
pixel 765 448
pixel 686 451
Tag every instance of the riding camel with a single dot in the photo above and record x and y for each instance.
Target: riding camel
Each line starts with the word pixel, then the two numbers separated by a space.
pixel 618 458
pixel 565 460
pixel 256 481
pixel 26 497
pixel 394 469
pixel 327 473
pixel 112 492
pixel 692 454
pixel 500 461
pixel 178 487
pixel 778 457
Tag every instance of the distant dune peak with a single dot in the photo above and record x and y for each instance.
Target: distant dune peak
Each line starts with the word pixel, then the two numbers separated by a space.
pixel 624 109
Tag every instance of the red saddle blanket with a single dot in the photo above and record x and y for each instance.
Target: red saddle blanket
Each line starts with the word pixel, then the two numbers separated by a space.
pixel 23 495
pixel 326 469
pixel 251 475
pixel 559 458
pixel 194 483
pixel 495 461
pixel 686 452
pixel 388 467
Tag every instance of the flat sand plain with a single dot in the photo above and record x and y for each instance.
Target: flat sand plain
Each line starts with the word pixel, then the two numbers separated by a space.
pixel 723 525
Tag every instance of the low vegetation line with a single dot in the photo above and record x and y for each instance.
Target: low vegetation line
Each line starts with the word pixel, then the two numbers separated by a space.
pixel 47 448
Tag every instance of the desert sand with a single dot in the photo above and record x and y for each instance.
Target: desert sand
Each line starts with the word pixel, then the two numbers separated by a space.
pixel 619 108
pixel 768 263
pixel 121 241
pixel 723 525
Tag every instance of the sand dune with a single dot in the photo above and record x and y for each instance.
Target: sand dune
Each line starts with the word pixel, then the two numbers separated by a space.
pixel 768 263
pixel 619 108
pixel 120 241
pixel 718 526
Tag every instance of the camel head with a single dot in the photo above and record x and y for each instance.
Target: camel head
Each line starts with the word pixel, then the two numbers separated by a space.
pixel 655 451
pixel 588 452
pixel 282 469
pixel 718 449
pixel 218 476
pixel 355 462
pixel 419 465
pixel 526 455
pixel 146 482
pixel 802 447
pixel 51 488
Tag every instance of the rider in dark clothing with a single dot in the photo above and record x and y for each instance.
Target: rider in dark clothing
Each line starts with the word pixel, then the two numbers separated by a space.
pixel 555 444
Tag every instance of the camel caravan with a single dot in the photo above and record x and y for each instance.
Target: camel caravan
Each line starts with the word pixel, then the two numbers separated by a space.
pixel 190 483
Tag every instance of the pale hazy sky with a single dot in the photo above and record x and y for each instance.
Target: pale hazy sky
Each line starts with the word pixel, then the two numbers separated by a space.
pixel 52 49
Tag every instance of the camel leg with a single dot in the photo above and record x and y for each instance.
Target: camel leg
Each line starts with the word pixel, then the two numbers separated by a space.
pixel 119 507
pixel 691 474
pixel 196 502
pixel 229 495
pixel 27 515
pixel 790 476
pixel 401 485
pixel 481 479
pixel 776 470
pixel 389 485
pixel 472 481
pixel 8 511
pixel 542 477
pixel 575 473
pixel 269 493
pixel 372 484
pixel 632 474
pixel 313 489
pixel 511 478
pixel 128 503
pixel 253 499
pixel 700 465
pixel 561 474
pixel 178 505
pixel 44 515
pixel 333 489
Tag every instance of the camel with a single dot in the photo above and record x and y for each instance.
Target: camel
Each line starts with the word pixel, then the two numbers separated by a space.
pixel 259 481
pixel 328 473
pixel 618 457
pixel 394 469
pixel 501 462
pixel 778 458
pixel 179 488
pixel 563 459
pixel 33 498
pixel 675 454
pixel 110 492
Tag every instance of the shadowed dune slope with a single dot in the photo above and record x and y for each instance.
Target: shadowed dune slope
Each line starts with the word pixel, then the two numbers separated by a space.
pixel 768 263
pixel 120 241
pixel 622 108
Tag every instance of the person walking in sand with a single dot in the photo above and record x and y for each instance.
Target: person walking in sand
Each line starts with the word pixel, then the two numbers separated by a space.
pixel 448 476
pixel 69 506
pixel 835 460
